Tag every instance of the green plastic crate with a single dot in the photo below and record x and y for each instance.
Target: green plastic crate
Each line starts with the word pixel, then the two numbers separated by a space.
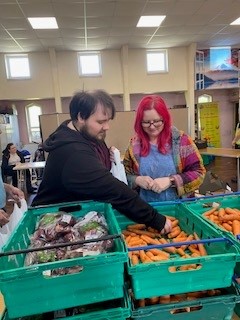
pixel 27 291
pixel 237 306
pixel 155 279
pixel 115 309
pixel 214 308
pixel 232 201
pixel 197 208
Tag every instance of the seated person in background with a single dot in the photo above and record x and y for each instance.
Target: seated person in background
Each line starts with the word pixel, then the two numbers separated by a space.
pixel 39 156
pixel 161 162
pixel 11 157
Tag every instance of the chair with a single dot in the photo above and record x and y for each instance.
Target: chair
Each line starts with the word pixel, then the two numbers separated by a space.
pixel 28 158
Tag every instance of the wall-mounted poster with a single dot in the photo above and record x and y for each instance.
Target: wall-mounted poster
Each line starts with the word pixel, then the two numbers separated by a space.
pixel 209 122
pixel 220 68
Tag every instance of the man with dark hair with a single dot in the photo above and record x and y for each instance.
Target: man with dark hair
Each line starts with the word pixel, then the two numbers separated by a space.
pixel 78 164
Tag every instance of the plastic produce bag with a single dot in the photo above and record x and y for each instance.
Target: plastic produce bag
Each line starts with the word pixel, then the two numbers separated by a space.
pixel 4 235
pixel 15 217
pixel 117 169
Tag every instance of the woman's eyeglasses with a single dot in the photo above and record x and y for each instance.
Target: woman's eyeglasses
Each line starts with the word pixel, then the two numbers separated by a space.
pixel 156 123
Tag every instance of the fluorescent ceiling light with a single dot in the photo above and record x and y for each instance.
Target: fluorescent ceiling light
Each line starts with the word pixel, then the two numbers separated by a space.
pixel 43 23
pixel 150 21
pixel 235 22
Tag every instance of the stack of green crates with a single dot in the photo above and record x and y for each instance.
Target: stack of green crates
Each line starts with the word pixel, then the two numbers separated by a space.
pixel 155 280
pixel 27 291
pixel 118 309
pixel 214 308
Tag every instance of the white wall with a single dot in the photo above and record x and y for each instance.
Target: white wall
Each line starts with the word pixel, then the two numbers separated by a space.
pixel 41 83
pixel 174 80
pixel 39 86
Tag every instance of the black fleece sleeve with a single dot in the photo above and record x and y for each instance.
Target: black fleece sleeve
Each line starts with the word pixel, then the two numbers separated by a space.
pixel 84 175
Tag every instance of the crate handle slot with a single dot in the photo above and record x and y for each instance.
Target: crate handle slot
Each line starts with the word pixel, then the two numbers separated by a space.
pixel 185 309
pixel 178 244
pixel 59 245
pixel 47 273
pixel 69 209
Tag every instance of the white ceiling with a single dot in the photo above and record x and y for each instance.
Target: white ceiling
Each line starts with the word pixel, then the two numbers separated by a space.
pixel 110 24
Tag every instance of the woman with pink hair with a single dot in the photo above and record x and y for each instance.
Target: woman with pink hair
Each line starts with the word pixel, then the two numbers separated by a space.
pixel 161 162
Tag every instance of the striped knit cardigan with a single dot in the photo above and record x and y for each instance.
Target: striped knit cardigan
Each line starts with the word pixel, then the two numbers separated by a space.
pixel 187 159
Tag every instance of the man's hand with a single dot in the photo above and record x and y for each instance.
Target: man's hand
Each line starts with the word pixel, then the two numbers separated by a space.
pixel 3 218
pixel 167 227
pixel 111 152
pixel 161 184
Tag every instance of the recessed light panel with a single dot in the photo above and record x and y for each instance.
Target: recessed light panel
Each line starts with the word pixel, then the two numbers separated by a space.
pixel 150 21
pixel 43 23
pixel 235 22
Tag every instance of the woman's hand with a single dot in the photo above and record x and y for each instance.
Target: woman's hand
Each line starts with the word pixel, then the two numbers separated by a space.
pixel 144 182
pixel 161 184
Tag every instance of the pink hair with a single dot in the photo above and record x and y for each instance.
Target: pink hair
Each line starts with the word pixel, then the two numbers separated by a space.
pixel 157 103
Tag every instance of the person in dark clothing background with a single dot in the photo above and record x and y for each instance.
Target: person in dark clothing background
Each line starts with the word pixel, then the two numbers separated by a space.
pixel 78 163
pixel 11 157
pixel 39 156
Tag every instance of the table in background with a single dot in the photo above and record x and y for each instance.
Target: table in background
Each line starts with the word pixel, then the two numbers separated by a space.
pixel 21 171
pixel 227 153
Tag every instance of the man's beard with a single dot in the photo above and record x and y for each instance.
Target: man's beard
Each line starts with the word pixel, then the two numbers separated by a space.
pixel 85 133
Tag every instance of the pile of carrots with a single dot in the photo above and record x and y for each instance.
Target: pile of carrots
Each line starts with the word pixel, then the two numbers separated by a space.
pixel 226 218
pixel 176 298
pixel 138 235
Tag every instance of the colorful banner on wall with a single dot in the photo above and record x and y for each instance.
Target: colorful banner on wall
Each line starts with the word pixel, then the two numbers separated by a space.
pixel 209 122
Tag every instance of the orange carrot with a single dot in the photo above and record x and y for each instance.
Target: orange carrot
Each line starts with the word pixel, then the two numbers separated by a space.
pixel 157 252
pixel 154 300
pixel 141 303
pixel 180 251
pixel 230 211
pixel 142 232
pixel 175 223
pixel 138 226
pixel 189 238
pixel 142 255
pixel 194 250
pixel 201 248
pixel 232 216
pixel 221 213
pixel 159 258
pixel 174 233
pixel 227 226
pixel 134 259
pixel 209 212
pixel 149 254
pixel 168 249
pixel 236 227
pixel 149 240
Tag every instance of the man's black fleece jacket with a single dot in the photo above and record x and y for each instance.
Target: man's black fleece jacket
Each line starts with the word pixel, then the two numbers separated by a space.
pixel 74 172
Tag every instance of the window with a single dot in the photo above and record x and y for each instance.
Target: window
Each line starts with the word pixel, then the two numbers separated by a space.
pixel 17 66
pixel 32 113
pixel 204 98
pixel 89 64
pixel 157 61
